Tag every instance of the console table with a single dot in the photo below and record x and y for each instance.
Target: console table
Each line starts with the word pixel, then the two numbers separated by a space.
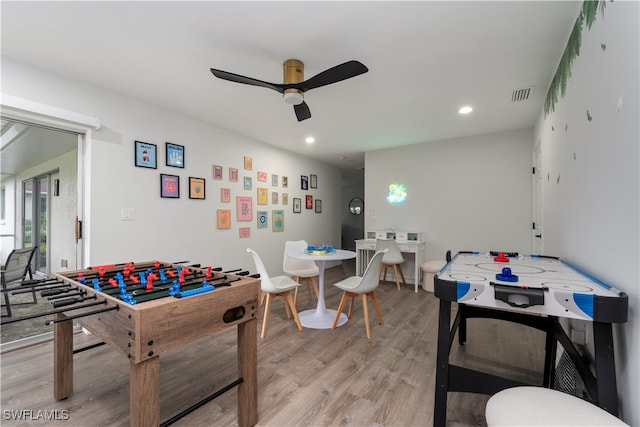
pixel 365 248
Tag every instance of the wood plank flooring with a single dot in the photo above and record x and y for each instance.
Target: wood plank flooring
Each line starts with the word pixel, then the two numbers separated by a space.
pixel 307 378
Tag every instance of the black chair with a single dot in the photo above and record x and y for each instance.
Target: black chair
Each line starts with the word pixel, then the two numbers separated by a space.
pixel 17 267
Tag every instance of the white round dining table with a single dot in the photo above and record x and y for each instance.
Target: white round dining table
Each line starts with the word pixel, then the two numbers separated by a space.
pixel 321 317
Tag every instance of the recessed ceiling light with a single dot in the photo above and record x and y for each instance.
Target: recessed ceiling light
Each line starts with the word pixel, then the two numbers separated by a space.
pixel 310 140
pixel 465 110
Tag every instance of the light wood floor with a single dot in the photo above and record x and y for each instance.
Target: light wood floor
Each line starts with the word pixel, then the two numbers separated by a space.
pixel 308 378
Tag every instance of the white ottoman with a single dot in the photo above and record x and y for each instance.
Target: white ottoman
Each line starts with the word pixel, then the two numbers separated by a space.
pixel 429 269
pixel 539 406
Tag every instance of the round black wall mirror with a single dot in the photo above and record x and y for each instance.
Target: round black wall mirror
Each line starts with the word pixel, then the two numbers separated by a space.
pixel 356 206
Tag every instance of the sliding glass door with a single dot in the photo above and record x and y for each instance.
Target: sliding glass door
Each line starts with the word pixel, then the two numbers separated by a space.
pixel 35 224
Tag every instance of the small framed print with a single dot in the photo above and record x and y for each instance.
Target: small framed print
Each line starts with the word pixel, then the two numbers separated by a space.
pixel 224 218
pixel 277 220
pixel 247 183
pixel 262 219
pixel 196 188
pixel 146 155
pixel 225 195
pixel 248 163
pixel 309 202
pixel 262 196
pixel 285 198
pixel 274 180
pixel 318 206
pixel 233 174
pixel 274 197
pixel 175 155
pixel 244 232
pixel 304 182
pixel 244 209
pixel 217 172
pixel 169 186
pixel 313 181
pixel 262 176
pixel 285 182
pixel 297 205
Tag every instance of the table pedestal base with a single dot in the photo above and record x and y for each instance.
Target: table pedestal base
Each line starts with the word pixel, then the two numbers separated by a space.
pixel 315 319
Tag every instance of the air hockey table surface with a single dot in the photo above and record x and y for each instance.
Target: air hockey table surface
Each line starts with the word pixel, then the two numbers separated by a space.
pixel 532 284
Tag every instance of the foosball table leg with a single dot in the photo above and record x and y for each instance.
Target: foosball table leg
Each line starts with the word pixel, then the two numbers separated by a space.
pixel 62 358
pixel 144 392
pixel 248 371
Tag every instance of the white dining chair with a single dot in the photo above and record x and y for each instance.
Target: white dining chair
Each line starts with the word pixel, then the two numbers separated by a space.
pixel 392 259
pixel 356 286
pixel 300 270
pixel 279 286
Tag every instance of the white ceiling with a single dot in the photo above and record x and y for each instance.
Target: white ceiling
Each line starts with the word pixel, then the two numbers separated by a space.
pixel 425 60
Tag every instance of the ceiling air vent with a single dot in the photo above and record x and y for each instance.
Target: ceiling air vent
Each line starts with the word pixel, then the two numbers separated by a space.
pixel 522 94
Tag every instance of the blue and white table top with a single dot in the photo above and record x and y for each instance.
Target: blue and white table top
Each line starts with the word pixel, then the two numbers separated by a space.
pixel 531 284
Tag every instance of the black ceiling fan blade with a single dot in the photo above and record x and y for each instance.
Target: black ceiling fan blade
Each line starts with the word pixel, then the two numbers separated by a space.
pixel 302 111
pixel 237 78
pixel 333 75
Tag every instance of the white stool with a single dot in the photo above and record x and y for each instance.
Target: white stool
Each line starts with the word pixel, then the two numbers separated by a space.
pixel 429 269
pixel 539 406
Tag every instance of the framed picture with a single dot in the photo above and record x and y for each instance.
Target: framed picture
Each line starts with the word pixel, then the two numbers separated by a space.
pixel 248 163
pixel 224 218
pixel 262 176
pixel 318 206
pixel 175 155
pixel 313 181
pixel 285 182
pixel 297 205
pixel 233 174
pixel 217 172
pixel 169 186
pixel 277 220
pixel 262 219
pixel 304 182
pixel 309 201
pixel 146 155
pixel 274 180
pixel 247 183
pixel 262 196
pixel 285 198
pixel 225 195
pixel 196 188
pixel 244 232
pixel 274 197
pixel 243 209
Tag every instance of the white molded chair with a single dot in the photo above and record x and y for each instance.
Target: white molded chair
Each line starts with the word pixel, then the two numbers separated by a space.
pixel 279 286
pixel 392 259
pixel 300 270
pixel 539 406
pixel 356 286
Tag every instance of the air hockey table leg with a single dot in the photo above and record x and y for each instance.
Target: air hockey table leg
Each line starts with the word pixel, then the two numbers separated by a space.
pixel 442 365
pixel 607 397
pixel 144 392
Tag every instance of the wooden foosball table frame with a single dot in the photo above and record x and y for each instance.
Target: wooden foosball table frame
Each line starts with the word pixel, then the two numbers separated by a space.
pixel 142 332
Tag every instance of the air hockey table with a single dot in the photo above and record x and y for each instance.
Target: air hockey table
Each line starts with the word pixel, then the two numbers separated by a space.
pixel 536 291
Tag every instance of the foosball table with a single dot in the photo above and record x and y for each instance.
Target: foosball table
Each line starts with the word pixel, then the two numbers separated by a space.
pixel 145 309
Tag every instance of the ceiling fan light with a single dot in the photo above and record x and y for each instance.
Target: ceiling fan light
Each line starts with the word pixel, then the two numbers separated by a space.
pixel 293 98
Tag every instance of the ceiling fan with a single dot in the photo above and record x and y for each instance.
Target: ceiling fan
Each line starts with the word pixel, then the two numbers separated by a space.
pixel 295 86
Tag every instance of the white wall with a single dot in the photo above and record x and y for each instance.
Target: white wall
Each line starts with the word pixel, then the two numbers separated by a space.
pixel 182 229
pixel 463 194
pixel 591 197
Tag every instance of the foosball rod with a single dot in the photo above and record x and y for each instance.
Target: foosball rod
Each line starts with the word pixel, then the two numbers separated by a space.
pixel 47 313
pixel 77 316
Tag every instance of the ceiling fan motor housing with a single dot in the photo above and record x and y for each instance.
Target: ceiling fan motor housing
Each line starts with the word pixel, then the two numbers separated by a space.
pixel 293 74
